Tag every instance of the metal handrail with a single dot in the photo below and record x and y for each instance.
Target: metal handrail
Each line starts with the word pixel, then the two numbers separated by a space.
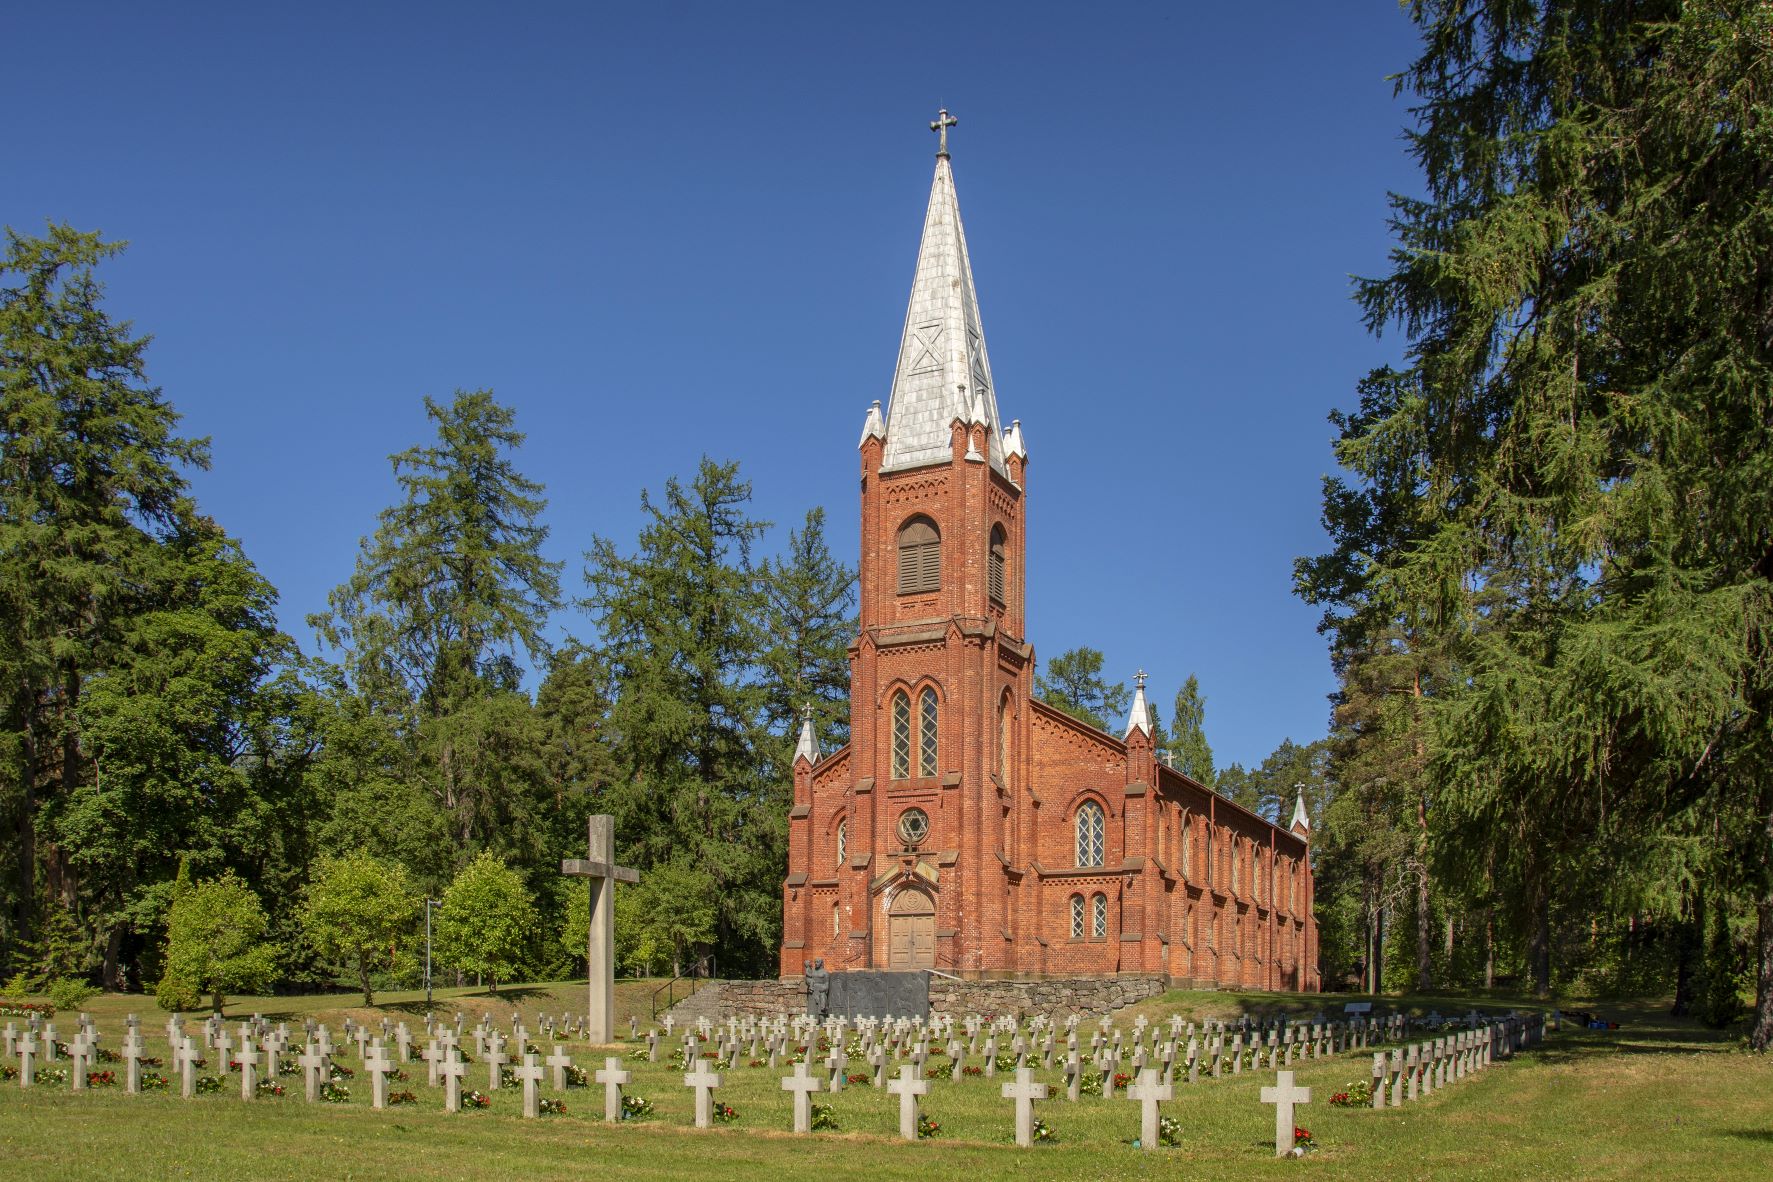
pixel 701 968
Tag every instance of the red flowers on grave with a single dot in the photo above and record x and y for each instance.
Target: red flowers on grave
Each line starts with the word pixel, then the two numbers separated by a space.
pixel 1122 1079
pixel 101 1079
pixel 725 1113
pixel 401 1097
pixel 969 1069
pixel 475 1100
pixel 1302 1138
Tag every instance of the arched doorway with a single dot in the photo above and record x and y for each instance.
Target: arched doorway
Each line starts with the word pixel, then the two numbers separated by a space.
pixel 911 931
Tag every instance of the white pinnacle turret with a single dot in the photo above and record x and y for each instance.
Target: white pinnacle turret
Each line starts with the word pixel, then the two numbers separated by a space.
pixel 1139 717
pixel 807 747
pixel 874 426
pixel 1301 819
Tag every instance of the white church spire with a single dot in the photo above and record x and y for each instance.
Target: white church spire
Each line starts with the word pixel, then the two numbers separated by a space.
pixel 943 372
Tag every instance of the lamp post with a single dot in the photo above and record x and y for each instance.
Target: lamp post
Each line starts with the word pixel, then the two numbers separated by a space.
pixel 429 903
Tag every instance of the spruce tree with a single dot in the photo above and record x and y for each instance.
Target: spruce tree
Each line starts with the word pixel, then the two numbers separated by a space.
pixel 810 620
pixel 1190 753
pixel 1073 682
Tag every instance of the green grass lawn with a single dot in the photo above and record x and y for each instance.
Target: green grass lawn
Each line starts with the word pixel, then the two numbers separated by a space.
pixel 1656 1099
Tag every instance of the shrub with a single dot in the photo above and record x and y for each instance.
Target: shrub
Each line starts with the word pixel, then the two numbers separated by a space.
pixel 70 994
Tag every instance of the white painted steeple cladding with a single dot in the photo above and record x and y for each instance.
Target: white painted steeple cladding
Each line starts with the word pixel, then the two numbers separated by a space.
pixel 944 373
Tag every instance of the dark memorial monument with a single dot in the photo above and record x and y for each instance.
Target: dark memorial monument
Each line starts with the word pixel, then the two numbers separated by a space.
pixel 878 995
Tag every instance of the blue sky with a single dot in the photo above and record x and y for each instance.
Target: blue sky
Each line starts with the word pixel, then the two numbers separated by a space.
pixel 674 229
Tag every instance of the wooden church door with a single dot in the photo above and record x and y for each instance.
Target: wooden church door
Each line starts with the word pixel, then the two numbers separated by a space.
pixel 911 932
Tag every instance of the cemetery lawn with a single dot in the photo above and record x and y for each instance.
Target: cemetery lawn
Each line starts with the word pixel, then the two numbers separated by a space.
pixel 1659 1098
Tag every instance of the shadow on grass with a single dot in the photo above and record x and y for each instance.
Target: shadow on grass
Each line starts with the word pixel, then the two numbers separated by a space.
pixel 1750 1134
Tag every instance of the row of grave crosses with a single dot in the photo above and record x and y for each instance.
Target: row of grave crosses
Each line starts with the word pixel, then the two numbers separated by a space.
pixel 1406 1072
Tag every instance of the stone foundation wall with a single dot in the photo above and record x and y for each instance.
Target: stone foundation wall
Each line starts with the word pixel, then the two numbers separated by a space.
pixel 1057 996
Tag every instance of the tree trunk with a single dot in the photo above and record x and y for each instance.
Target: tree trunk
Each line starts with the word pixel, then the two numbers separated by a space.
pixel 1539 943
pixel 1424 917
pixel 1761 1033
pixel 1489 948
pixel 111 975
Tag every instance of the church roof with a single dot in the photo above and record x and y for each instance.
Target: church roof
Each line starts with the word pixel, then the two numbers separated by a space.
pixel 943 372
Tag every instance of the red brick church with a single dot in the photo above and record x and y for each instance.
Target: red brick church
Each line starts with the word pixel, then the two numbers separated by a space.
pixel 968 827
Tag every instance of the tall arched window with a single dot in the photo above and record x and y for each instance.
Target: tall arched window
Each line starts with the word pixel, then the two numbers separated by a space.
pixel 1187 846
pixel 995 565
pixel 1003 741
pixel 928 713
pixel 1090 829
pixel 920 557
pixel 901 735
pixel 1099 916
pixel 836 920
pixel 843 844
pixel 1236 852
pixel 1210 853
pixel 1077 917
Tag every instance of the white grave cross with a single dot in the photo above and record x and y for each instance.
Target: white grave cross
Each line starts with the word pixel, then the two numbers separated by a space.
pixel 803 1086
pixel 612 1077
pixel 704 1081
pixel 1150 1092
pixel 908 1087
pixel 1283 1096
pixel 1025 1092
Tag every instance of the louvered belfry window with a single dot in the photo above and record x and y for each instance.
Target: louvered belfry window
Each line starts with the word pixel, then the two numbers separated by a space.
pixel 995 566
pixel 920 557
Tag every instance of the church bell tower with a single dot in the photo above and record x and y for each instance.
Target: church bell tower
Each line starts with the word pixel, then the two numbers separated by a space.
pixel 940 673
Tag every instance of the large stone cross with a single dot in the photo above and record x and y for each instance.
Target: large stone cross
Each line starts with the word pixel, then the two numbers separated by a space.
pixel 1150 1093
pixel 1025 1092
pixel 803 1086
pixel 1283 1096
pixel 908 1087
pixel 599 865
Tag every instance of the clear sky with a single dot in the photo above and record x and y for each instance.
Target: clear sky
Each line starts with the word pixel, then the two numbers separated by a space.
pixel 665 230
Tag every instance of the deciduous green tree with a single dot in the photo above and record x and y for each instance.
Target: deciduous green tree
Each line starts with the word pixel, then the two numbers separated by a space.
pixel 487 921
pixel 1190 753
pixel 358 908
pixel 216 945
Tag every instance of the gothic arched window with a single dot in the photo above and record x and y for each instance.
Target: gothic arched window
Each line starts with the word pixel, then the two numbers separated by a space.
pixel 1003 741
pixel 996 564
pixel 836 921
pixel 1236 852
pixel 928 714
pixel 1099 916
pixel 843 845
pixel 901 735
pixel 920 557
pixel 1077 917
pixel 1187 846
pixel 1090 830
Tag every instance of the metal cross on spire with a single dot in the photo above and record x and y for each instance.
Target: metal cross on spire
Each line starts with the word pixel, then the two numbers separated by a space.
pixel 940 126
pixel 1139 678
